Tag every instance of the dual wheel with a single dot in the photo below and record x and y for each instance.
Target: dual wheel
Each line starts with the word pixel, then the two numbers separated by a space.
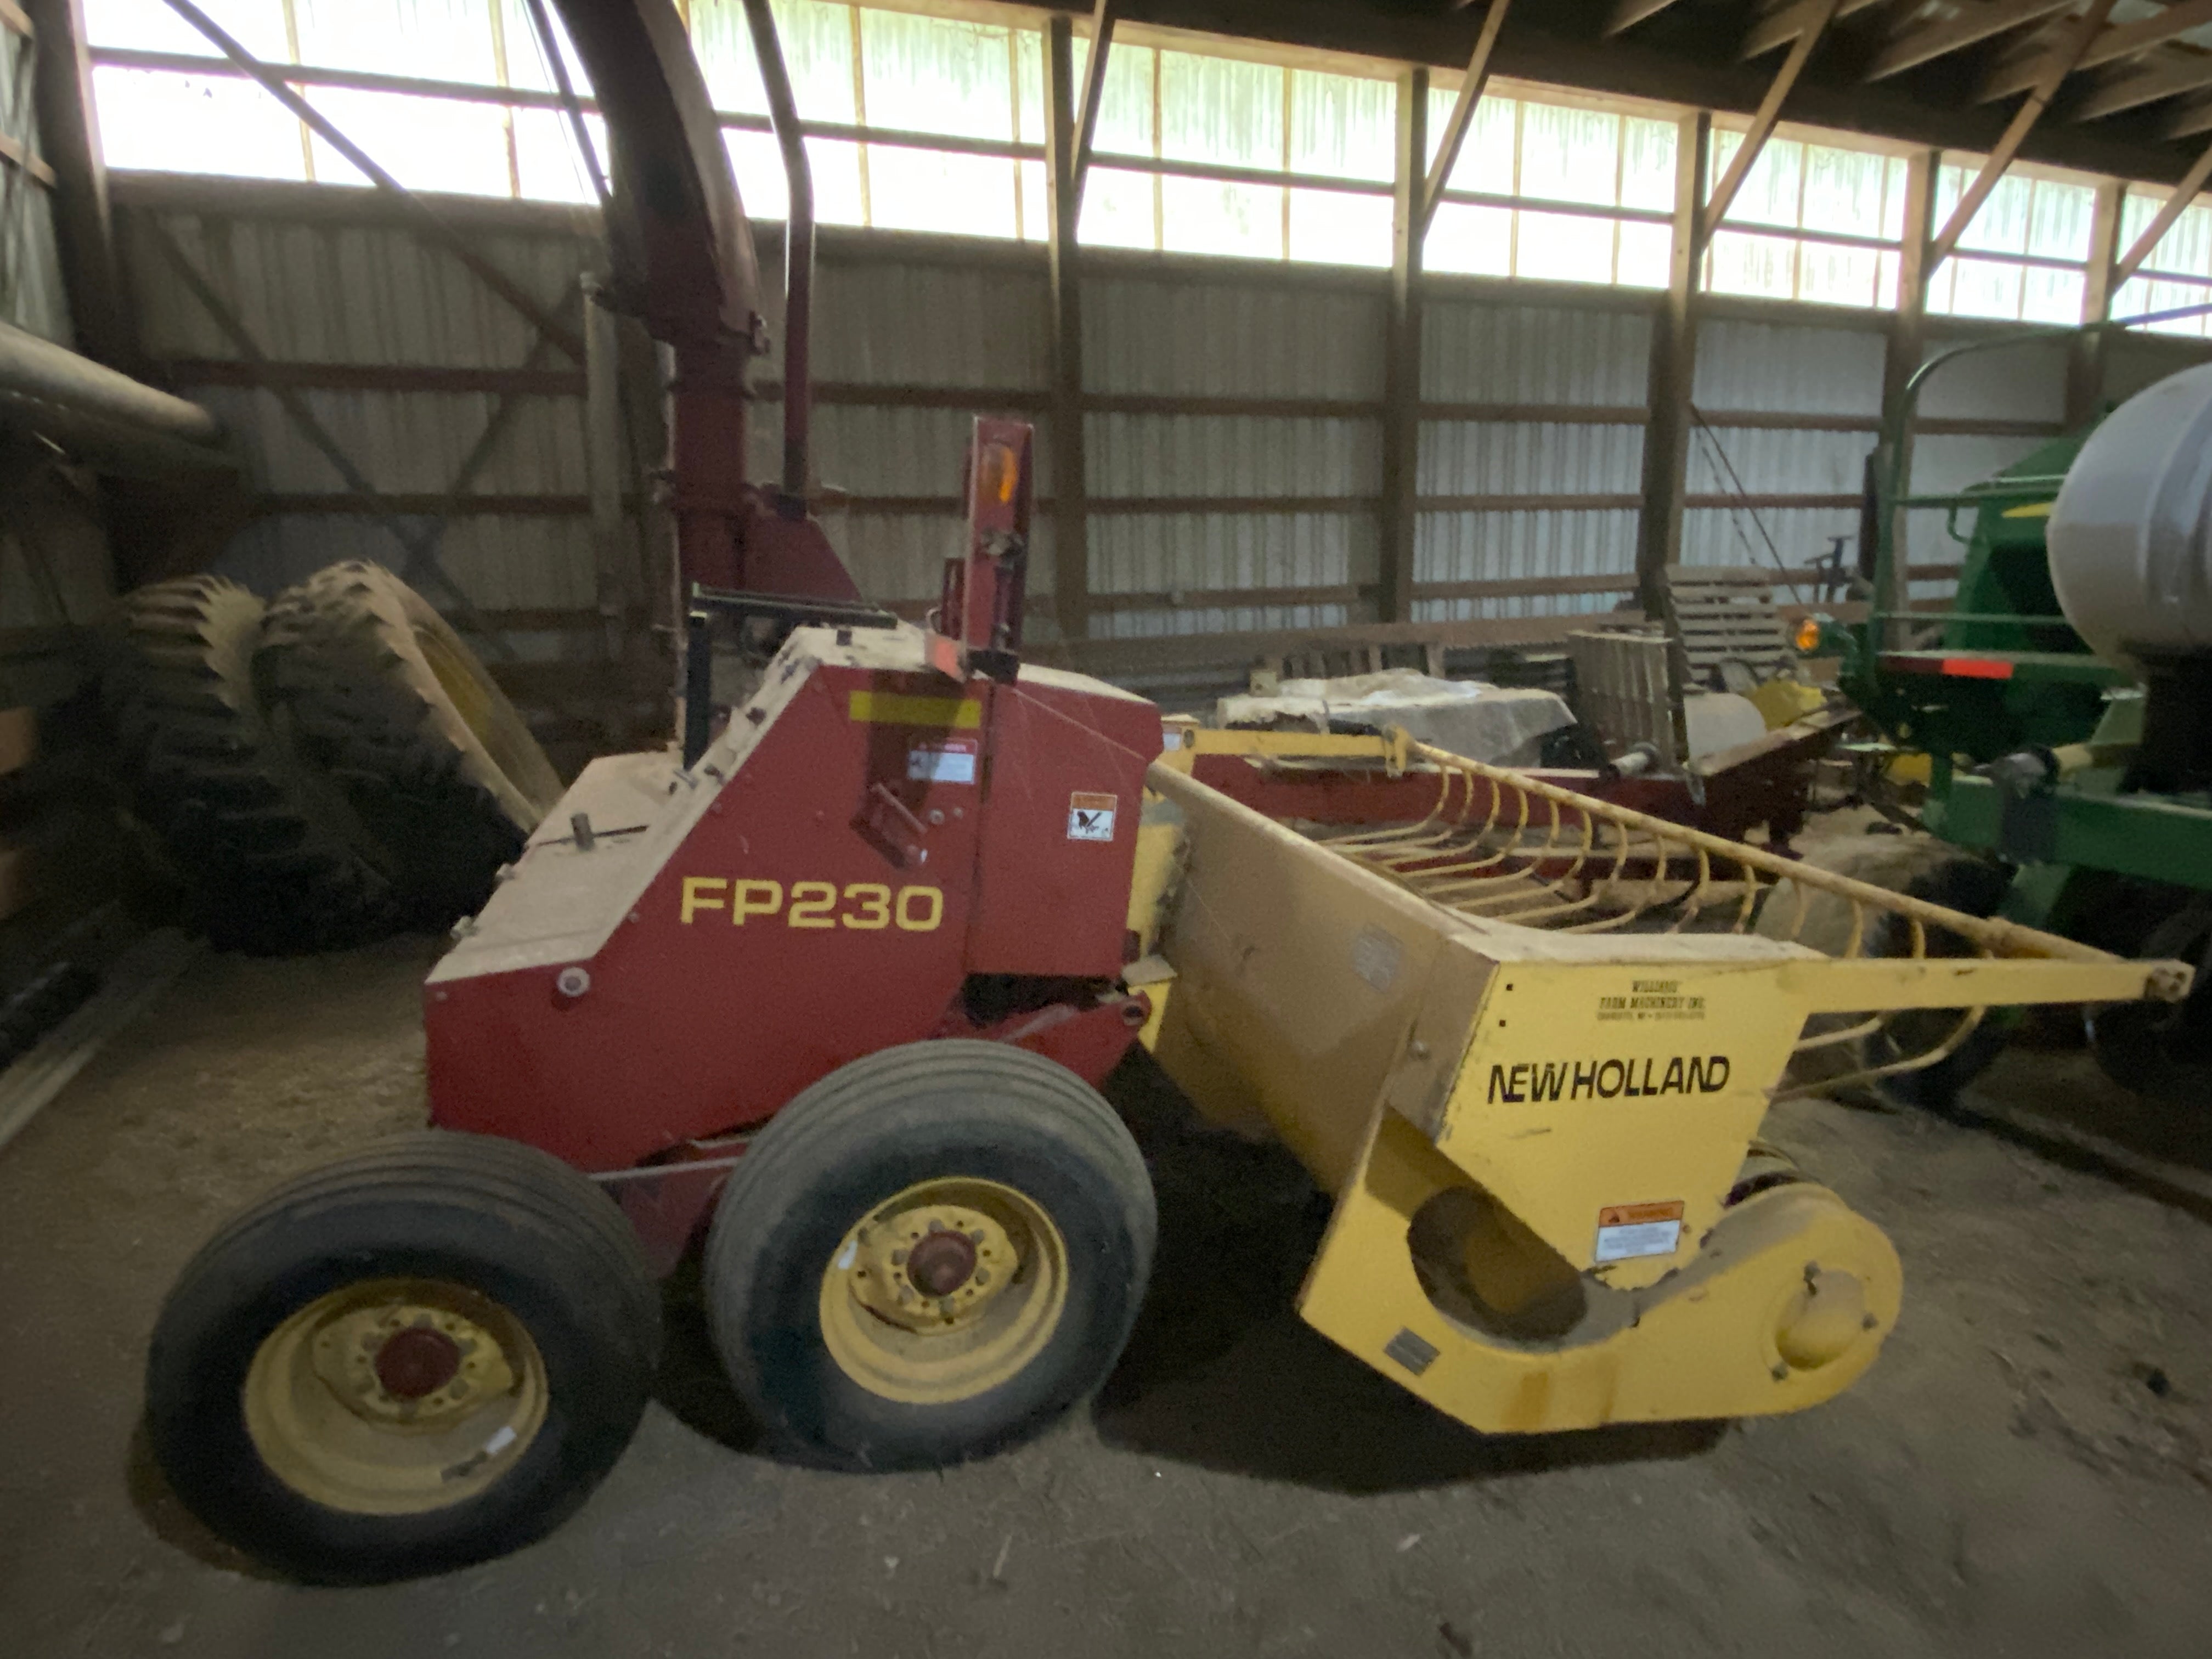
pixel 431 1352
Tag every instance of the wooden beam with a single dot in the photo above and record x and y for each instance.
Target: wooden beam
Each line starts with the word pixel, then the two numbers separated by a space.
pixel 1672 366
pixel 2085 353
pixel 2072 42
pixel 1627 14
pixel 1064 139
pixel 1784 24
pixel 2134 89
pixel 16 154
pixel 84 223
pixel 2140 249
pixel 2118 40
pixel 1462 111
pixel 1906 346
pixel 1401 363
pixel 1818 17
pixel 1103 16
pixel 1964 27
pixel 2187 120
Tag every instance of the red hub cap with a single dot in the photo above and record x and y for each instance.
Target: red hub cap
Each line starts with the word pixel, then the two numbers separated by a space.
pixel 940 1262
pixel 417 1361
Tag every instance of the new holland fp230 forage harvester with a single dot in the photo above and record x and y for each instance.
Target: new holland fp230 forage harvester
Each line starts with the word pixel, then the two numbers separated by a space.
pixel 836 985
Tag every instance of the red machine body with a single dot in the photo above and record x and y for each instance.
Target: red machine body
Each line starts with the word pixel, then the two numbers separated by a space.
pixel 872 854
pixel 903 833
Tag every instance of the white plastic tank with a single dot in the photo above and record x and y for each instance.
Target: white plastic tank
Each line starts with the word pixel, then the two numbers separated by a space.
pixel 2131 536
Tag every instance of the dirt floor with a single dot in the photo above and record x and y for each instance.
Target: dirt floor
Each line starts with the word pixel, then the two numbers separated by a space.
pixel 2028 1469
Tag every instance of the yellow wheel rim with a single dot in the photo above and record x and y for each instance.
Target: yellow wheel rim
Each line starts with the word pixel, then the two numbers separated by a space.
pixel 395 1396
pixel 945 1291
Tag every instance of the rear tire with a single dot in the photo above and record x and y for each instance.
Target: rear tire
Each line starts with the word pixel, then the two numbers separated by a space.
pixel 391 703
pixel 983 1150
pixel 275 858
pixel 1920 867
pixel 421 1355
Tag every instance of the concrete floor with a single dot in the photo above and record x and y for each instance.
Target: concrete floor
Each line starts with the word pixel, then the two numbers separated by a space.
pixel 2025 1471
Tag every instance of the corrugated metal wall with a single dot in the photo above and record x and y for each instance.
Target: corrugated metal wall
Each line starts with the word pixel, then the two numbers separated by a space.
pixel 31 295
pixel 1530 450
pixel 54 564
pixel 1577 358
pixel 971 323
pixel 323 292
pixel 1272 335
pixel 1785 370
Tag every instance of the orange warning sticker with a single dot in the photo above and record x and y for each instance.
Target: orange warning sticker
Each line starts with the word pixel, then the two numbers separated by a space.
pixel 1090 816
pixel 1629 1215
pixel 1625 1231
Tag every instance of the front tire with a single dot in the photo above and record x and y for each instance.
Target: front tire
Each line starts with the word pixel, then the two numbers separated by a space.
pixel 928 1255
pixel 417 1357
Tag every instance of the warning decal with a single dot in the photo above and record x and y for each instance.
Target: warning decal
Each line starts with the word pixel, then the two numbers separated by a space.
pixel 1090 817
pixel 951 761
pixel 1628 1230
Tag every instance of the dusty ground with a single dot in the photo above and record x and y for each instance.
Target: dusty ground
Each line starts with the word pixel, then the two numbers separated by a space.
pixel 2027 1471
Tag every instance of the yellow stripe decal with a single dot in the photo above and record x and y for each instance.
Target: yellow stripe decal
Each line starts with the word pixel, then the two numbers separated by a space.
pixel 891 708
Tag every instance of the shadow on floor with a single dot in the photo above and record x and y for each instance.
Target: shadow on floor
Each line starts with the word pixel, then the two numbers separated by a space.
pixel 168 1520
pixel 1220 1371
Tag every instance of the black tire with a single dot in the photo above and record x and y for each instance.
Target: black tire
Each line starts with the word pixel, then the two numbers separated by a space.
pixel 389 701
pixel 274 856
pixel 507 1223
pixel 1920 867
pixel 2162 1051
pixel 925 1112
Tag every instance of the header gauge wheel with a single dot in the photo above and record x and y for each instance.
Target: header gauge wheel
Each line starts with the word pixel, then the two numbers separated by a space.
pixel 422 1356
pixel 929 1255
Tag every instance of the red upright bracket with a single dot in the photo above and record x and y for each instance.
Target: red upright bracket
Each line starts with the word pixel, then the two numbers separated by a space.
pixel 978 624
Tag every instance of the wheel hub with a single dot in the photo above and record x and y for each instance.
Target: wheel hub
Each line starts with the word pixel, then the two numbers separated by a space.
pixel 417 1361
pixel 930 1268
pixel 408 1362
pixel 941 1261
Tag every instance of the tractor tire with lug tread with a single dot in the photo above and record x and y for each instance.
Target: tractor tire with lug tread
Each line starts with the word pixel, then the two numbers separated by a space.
pixel 391 703
pixel 849 1270
pixel 274 856
pixel 1918 866
pixel 419 1357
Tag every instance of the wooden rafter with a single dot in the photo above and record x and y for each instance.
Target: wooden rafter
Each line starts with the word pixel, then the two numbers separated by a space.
pixel 1103 16
pixel 2187 120
pixel 1785 23
pixel 2200 170
pixel 2016 73
pixel 1627 14
pixel 1929 41
pixel 1819 16
pixel 1463 113
pixel 2064 55
pixel 2137 87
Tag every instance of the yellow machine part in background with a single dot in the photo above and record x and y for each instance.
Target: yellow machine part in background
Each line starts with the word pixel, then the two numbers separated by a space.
pixel 1551 1212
